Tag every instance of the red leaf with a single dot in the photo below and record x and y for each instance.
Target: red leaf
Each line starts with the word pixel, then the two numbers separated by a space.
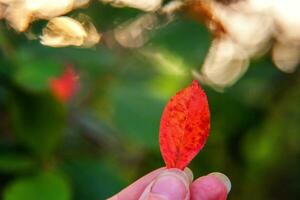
pixel 64 87
pixel 184 126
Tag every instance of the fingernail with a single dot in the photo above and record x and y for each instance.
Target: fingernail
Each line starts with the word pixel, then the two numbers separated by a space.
pixel 189 174
pixel 173 184
pixel 224 180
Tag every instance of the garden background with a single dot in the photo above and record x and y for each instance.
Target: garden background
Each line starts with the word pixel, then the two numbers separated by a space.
pixel 106 135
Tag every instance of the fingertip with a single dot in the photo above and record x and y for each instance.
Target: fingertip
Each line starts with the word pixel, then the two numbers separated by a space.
pixel 224 179
pixel 214 186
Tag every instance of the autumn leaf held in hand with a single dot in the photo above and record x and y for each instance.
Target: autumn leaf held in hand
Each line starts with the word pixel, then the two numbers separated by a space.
pixel 184 126
pixel 64 87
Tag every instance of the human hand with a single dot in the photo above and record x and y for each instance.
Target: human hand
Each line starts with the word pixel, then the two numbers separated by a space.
pixel 174 184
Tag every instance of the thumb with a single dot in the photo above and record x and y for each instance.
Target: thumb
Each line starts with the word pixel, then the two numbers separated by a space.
pixel 171 184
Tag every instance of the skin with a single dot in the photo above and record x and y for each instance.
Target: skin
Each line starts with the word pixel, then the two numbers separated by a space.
pixel 175 184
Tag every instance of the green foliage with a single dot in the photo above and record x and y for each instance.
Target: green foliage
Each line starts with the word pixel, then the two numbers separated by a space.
pixel 38 122
pixel 12 163
pixel 47 186
pixel 33 73
pixel 138 125
pixel 92 179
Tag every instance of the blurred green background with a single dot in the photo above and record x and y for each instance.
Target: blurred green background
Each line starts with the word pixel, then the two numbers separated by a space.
pixel 107 135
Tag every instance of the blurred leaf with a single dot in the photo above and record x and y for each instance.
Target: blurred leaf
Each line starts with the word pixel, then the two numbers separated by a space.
pixel 171 72
pixel 257 82
pixel 38 121
pixel 279 132
pixel 137 114
pixel 186 38
pixel 15 163
pixel 33 73
pixel 46 186
pixel 92 179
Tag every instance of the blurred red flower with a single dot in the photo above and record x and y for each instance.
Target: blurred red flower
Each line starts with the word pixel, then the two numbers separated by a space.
pixel 64 86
